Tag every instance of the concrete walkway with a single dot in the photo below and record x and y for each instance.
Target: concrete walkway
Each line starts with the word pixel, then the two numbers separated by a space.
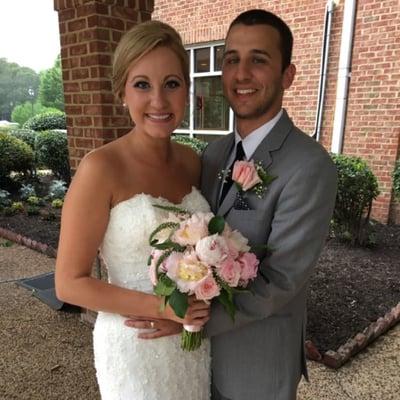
pixel 46 354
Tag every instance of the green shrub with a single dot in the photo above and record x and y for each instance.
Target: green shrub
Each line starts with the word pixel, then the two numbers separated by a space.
pixel 26 135
pixel 196 144
pixel 8 128
pixel 46 121
pixel 52 152
pixel 57 203
pixel 396 180
pixel 17 206
pixel 15 155
pixel 34 201
pixel 23 112
pixel 357 188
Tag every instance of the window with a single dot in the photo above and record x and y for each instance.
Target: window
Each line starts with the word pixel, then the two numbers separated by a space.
pixel 208 112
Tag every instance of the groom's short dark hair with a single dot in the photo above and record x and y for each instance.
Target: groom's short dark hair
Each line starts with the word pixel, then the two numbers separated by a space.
pixel 262 17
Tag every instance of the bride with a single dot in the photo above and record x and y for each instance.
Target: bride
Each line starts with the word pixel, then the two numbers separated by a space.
pixel 110 206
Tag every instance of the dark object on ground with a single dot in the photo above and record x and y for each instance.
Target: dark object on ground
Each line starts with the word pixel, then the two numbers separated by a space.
pixel 43 287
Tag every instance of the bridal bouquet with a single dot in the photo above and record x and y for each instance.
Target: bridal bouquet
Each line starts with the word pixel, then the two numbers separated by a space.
pixel 198 254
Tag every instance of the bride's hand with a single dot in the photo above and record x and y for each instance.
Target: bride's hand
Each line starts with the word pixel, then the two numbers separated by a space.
pixel 198 313
pixel 161 327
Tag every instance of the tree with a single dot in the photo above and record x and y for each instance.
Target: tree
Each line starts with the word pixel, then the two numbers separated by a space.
pixel 17 85
pixel 51 92
pixel 23 112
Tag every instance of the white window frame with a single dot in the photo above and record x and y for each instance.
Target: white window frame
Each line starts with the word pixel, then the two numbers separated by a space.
pixel 193 75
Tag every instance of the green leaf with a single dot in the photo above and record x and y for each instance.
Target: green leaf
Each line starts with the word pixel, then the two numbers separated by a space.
pixel 163 257
pixel 173 209
pixel 165 225
pixel 165 286
pixel 265 177
pixel 168 245
pixel 226 299
pixel 179 303
pixel 216 225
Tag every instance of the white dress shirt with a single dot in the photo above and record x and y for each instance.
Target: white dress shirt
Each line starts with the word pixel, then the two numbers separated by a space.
pixel 253 140
pixel 250 142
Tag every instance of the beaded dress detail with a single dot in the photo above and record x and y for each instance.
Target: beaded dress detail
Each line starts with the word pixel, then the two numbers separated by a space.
pixel 129 368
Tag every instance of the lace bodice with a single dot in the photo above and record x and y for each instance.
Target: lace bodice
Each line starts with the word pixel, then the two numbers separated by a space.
pixel 126 248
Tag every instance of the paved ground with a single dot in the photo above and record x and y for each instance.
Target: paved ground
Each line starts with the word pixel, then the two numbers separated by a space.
pixel 46 355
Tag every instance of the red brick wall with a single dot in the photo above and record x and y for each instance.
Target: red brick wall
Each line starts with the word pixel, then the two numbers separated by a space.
pixel 373 117
pixel 89 32
pixel 373 121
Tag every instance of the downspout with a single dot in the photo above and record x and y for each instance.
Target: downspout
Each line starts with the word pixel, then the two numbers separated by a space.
pixel 346 47
pixel 330 5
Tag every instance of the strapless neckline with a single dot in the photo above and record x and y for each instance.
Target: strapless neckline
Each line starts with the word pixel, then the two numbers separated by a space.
pixel 157 198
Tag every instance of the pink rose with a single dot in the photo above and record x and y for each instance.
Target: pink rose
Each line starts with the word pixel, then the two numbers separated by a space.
pixel 207 289
pixel 245 174
pixel 229 271
pixel 186 270
pixel 171 262
pixel 192 229
pixel 249 267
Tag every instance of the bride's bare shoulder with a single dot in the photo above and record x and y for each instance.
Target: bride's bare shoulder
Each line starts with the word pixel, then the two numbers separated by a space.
pixel 102 163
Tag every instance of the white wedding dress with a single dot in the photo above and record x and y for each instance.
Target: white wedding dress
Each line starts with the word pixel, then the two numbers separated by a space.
pixel 129 368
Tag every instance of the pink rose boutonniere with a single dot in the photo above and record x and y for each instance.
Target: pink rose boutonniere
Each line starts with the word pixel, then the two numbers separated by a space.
pixel 249 175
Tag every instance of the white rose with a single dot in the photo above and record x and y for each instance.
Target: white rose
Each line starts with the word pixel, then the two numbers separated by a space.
pixel 212 249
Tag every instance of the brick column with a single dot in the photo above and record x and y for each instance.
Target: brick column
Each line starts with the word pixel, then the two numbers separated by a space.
pixel 89 33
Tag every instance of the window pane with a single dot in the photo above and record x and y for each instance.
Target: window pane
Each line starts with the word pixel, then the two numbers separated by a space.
pixel 211 111
pixel 218 54
pixel 185 123
pixel 202 60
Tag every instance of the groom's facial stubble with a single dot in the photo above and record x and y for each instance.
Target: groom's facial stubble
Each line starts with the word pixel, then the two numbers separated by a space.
pixel 252 75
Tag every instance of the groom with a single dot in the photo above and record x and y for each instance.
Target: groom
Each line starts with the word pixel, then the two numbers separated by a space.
pixel 261 355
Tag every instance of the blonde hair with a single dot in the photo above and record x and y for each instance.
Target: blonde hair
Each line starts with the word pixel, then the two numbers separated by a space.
pixel 139 41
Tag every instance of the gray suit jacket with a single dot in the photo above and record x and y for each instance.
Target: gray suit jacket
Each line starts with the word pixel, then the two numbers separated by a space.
pixel 261 354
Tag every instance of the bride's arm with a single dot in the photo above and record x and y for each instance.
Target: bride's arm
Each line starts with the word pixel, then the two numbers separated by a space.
pixel 84 220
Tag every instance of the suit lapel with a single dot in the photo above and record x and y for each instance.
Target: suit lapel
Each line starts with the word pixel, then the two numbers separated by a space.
pixel 228 201
pixel 223 156
pixel 272 142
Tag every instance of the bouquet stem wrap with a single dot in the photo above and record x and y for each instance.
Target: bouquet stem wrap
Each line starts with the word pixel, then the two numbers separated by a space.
pixel 191 337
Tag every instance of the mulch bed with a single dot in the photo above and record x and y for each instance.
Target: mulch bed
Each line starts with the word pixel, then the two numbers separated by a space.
pixel 350 290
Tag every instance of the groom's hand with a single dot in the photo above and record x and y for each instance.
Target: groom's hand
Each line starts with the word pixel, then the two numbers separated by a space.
pixel 160 327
